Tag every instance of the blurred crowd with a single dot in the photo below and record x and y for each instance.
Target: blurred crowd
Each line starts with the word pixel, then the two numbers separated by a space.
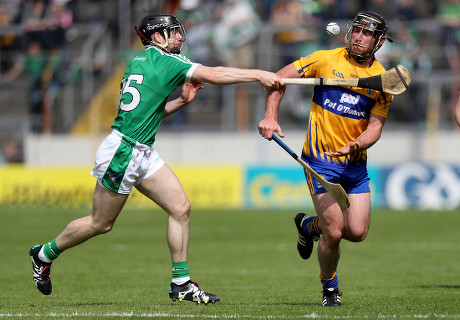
pixel 39 52
pixel 426 34
pixel 35 37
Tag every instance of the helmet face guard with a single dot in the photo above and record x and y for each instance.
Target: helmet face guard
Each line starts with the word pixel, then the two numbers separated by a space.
pixel 167 25
pixel 370 21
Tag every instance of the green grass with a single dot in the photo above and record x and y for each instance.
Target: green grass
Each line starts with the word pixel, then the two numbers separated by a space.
pixel 408 267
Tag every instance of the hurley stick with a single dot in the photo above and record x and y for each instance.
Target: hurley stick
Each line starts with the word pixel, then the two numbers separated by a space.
pixel 394 81
pixel 334 189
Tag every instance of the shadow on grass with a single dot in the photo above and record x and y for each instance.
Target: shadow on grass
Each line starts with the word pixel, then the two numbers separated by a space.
pixel 88 304
pixel 441 286
pixel 180 304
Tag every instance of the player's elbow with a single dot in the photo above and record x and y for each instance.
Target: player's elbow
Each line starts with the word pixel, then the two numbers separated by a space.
pixel 205 74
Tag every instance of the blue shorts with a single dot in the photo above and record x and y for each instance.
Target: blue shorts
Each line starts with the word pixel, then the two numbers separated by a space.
pixel 353 178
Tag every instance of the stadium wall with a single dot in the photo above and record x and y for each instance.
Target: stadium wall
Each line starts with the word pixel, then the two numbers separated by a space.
pixel 232 171
pixel 248 148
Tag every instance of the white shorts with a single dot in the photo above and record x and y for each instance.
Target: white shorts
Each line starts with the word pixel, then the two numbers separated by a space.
pixel 122 163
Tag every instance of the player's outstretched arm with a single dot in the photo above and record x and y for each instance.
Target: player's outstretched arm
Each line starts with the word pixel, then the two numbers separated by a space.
pixel 189 91
pixel 229 75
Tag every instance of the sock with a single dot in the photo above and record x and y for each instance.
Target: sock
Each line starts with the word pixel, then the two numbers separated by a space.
pixel 332 282
pixel 49 252
pixel 310 226
pixel 180 273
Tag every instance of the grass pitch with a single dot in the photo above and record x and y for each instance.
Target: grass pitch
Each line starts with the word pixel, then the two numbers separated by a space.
pixel 407 268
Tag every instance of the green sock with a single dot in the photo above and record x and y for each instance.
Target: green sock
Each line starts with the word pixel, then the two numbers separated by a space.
pixel 180 273
pixel 51 251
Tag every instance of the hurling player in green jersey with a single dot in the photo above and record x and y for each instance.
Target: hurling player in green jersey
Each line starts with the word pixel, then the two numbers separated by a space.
pixel 127 159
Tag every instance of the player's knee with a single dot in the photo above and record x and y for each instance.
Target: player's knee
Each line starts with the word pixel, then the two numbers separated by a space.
pixel 337 236
pixel 356 235
pixel 185 209
pixel 333 236
pixel 181 210
pixel 101 227
pixel 361 236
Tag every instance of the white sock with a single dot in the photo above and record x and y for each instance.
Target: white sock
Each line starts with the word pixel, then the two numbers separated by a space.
pixel 180 281
pixel 42 256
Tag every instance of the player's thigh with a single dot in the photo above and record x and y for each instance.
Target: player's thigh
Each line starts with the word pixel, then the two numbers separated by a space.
pixel 107 205
pixel 331 219
pixel 165 189
pixel 357 216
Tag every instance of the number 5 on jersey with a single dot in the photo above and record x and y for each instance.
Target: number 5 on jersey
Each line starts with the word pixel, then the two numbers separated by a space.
pixel 132 90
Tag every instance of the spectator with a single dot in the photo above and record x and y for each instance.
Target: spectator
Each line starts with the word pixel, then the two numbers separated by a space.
pixel 33 22
pixel 386 8
pixel 407 10
pixel 236 28
pixel 235 31
pixel 58 20
pixel 449 18
pixel 264 8
pixel 197 20
pixel 321 10
pixel 45 24
pixel 7 41
pixel 407 51
pixel 41 73
pixel 453 55
pixel 12 150
pixel 289 18
pixel 295 36
pixel 449 13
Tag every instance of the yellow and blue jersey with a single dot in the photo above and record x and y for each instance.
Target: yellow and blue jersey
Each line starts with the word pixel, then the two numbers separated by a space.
pixel 339 115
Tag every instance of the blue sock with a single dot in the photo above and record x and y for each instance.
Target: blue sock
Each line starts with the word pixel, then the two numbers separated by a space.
pixel 310 226
pixel 329 283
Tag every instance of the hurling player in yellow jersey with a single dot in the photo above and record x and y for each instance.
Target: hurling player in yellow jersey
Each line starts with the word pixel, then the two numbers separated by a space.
pixel 344 122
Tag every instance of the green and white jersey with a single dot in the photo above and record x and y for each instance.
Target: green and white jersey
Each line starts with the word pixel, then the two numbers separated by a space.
pixel 147 83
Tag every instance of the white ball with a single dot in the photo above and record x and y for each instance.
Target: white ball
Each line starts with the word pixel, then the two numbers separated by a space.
pixel 332 29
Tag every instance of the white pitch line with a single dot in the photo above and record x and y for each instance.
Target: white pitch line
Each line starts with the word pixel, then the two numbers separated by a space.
pixel 224 316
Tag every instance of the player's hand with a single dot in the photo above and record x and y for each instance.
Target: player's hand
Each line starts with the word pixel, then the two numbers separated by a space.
pixel 271 80
pixel 267 127
pixel 190 89
pixel 350 148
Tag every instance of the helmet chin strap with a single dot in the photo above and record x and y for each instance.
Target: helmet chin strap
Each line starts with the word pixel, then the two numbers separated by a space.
pixel 365 56
pixel 164 45
pixel 359 57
